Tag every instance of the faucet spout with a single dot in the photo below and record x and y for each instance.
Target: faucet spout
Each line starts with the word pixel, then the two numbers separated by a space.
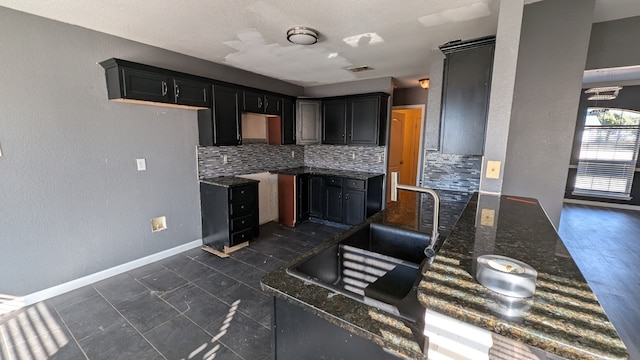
pixel 429 251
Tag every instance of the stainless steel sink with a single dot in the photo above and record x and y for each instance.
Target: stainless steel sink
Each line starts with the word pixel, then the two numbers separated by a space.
pixel 377 264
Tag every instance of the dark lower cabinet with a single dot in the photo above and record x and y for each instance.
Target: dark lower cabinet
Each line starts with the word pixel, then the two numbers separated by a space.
pixel 304 204
pixel 229 214
pixel 298 334
pixel 316 183
pixel 354 206
pixel 220 125
pixel 333 202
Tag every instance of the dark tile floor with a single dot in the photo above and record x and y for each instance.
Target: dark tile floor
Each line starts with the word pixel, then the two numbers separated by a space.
pixel 193 305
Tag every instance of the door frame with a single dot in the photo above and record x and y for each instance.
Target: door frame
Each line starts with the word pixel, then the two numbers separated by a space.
pixel 422 107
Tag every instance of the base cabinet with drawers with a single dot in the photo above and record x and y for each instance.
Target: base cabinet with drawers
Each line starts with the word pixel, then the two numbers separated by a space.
pixel 332 198
pixel 229 214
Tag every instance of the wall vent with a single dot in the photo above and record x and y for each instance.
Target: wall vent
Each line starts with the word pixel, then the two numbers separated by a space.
pixel 357 69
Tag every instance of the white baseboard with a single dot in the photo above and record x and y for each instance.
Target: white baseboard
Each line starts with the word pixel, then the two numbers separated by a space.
pixel 12 304
pixel 602 204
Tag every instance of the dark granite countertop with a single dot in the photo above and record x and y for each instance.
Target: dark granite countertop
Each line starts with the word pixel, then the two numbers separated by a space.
pixel 359 175
pixel 228 181
pixel 563 317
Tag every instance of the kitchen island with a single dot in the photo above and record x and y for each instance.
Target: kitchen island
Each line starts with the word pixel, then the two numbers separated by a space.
pixel 563 319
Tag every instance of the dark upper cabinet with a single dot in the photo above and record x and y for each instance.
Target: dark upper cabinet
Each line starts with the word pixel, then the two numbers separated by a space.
pixel 191 93
pixel 138 85
pixel 334 121
pixel 367 123
pixel 465 95
pixel 288 121
pixel 355 120
pixel 220 125
pixel 131 81
pixel 261 103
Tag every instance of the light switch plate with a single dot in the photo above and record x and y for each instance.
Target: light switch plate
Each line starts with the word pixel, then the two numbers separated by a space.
pixel 493 169
pixel 142 164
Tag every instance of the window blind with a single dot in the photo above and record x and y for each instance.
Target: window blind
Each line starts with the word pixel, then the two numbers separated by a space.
pixel 607 160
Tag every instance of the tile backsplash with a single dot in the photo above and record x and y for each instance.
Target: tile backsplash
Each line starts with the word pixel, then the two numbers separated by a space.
pixel 247 159
pixel 343 157
pixel 254 158
pixel 452 172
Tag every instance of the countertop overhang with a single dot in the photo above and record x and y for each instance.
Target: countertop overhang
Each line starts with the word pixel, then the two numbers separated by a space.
pixel 563 318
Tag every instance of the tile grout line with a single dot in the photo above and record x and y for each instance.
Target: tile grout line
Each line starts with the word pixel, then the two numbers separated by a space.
pixel 130 324
pixel 70 333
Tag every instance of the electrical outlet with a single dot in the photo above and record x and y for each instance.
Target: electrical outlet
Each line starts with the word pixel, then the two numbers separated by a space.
pixel 379 158
pixel 353 156
pixel 293 154
pixel 493 169
pixel 224 159
pixel 487 217
pixel 142 164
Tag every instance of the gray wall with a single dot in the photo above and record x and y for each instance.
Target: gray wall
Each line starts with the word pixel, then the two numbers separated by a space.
pixel 71 200
pixel 551 60
pixel 614 43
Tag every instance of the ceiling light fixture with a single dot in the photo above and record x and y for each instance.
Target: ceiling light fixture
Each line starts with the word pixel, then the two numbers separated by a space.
pixel 424 83
pixel 610 92
pixel 301 35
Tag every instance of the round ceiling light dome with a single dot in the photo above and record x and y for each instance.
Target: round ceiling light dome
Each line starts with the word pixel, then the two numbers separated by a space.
pixel 301 35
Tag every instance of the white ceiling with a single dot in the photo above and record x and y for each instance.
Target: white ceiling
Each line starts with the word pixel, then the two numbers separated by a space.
pixel 251 35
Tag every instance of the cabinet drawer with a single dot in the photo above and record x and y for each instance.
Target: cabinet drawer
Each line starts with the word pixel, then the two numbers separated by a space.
pixel 241 236
pixel 241 193
pixel 241 223
pixel 354 184
pixel 238 208
pixel 333 180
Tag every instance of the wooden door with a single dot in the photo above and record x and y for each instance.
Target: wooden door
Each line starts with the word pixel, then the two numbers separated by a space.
pixel 396 139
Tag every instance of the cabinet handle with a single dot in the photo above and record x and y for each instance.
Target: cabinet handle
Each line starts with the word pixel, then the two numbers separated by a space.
pixel 164 88
pixel 346 196
pixel 259 102
pixel 242 192
pixel 342 134
pixel 204 95
pixel 339 196
pixel 350 135
pixel 176 88
pixel 266 103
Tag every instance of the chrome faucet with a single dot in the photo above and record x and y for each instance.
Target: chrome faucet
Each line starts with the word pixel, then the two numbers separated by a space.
pixel 429 251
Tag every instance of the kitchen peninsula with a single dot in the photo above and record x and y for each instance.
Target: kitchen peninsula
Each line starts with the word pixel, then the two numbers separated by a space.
pixel 562 320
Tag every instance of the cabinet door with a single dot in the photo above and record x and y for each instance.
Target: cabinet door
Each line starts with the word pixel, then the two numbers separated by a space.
pixel 226 115
pixel 146 85
pixel 192 93
pixel 303 201
pixel 333 203
pixel 271 105
pixel 308 119
pixel 354 206
pixel 316 196
pixel 364 124
pixel 252 102
pixel 465 100
pixel 288 122
pixel 334 122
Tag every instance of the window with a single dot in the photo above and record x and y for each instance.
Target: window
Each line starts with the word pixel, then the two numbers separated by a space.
pixel 608 153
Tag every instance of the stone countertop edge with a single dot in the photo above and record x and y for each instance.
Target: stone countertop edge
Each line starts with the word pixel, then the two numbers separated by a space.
pixel 228 181
pixel 359 175
pixel 366 321
pixel 563 317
